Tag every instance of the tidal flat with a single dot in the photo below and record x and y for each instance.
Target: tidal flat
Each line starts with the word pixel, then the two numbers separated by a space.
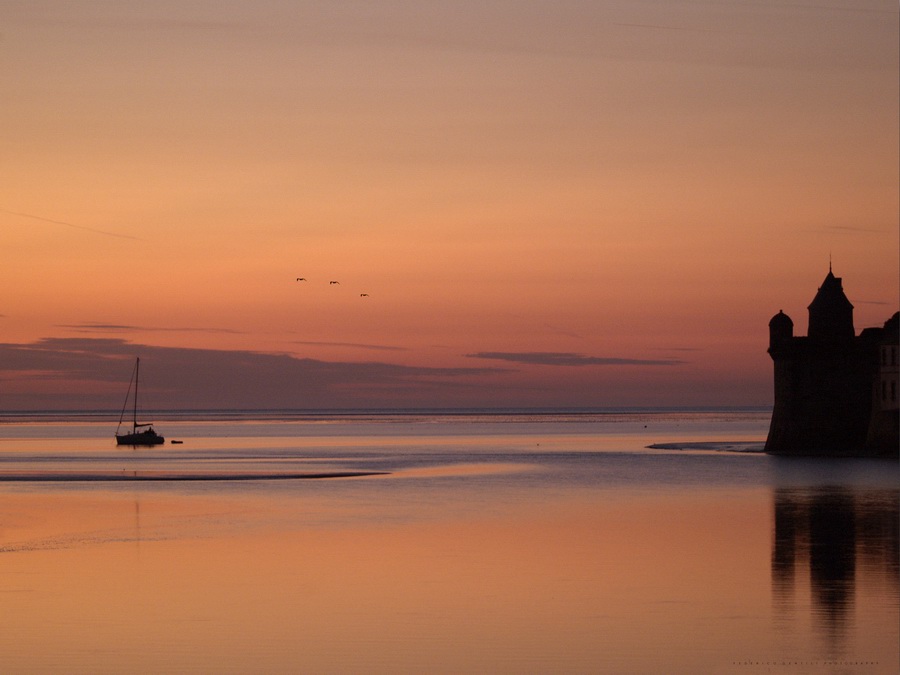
pixel 506 542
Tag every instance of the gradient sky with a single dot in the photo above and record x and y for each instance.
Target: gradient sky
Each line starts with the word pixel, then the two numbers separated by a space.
pixel 561 203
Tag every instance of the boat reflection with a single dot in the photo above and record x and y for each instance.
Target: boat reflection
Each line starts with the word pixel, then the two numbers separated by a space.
pixel 837 535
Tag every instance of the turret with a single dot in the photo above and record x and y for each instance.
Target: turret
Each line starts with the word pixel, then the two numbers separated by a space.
pixel 781 331
pixel 830 312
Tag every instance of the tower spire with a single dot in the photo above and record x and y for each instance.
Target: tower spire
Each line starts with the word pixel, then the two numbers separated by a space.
pixel 830 313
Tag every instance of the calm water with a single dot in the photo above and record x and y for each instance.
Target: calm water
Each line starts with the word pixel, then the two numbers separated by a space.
pixel 493 543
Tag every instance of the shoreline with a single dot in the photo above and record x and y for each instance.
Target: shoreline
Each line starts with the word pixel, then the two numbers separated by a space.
pixel 719 446
pixel 147 476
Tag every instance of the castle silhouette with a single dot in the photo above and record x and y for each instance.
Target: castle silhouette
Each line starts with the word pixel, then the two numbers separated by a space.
pixel 835 391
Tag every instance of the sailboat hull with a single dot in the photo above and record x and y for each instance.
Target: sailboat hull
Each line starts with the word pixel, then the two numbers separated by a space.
pixel 148 437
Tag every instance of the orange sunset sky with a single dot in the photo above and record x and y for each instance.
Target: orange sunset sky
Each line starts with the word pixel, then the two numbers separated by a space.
pixel 557 203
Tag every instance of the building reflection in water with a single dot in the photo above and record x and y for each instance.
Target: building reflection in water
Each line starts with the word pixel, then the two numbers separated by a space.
pixel 832 534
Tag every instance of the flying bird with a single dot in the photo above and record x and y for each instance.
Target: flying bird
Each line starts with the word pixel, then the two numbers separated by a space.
pixel 364 295
pixel 301 279
pixel 332 283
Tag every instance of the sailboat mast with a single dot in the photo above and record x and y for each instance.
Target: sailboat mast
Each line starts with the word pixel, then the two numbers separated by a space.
pixel 137 374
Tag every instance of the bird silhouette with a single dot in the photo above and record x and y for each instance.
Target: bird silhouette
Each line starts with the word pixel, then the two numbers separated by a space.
pixel 364 295
pixel 332 283
pixel 301 279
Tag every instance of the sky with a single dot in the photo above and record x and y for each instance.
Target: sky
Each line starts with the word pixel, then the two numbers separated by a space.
pixel 525 203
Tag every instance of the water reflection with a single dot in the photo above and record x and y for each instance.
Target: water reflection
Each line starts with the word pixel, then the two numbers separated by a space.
pixel 836 535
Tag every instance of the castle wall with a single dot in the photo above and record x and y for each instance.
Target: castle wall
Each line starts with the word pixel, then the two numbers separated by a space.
pixel 884 426
pixel 822 399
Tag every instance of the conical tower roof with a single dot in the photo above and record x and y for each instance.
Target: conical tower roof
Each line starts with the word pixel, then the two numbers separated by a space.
pixel 830 312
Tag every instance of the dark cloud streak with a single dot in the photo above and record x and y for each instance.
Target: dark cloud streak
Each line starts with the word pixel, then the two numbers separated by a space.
pixel 124 328
pixel 354 345
pixel 72 225
pixel 849 229
pixel 176 377
pixel 570 359
pixel 662 27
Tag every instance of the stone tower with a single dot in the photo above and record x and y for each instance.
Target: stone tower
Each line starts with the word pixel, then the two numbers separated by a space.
pixel 824 381
pixel 830 312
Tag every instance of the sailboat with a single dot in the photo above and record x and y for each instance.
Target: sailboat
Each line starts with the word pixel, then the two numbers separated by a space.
pixel 146 437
